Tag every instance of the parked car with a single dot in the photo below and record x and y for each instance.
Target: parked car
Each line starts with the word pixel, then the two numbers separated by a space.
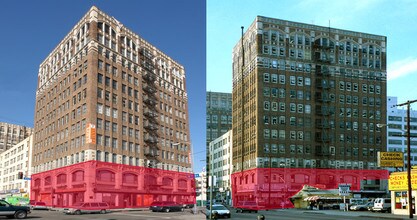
pixel 11 211
pixel 361 207
pixel 382 205
pixel 88 207
pixel 247 206
pixel 188 205
pixel 220 210
pixel 38 205
pixel 166 206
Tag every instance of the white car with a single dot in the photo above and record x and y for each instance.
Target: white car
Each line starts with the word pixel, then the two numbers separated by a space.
pixel 361 207
pixel 221 210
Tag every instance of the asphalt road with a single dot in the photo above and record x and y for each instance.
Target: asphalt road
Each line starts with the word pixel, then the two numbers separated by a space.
pixel 137 215
pixel 284 214
pixel 291 214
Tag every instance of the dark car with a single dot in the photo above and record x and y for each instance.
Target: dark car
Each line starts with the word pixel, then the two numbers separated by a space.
pixel 11 211
pixel 166 206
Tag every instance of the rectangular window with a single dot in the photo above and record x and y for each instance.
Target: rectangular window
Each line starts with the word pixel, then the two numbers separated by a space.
pixel 364 88
pixel 300 81
pixel 292 107
pixel 307 81
pixel 266 77
pixel 341 85
pixel 282 79
pixel 292 80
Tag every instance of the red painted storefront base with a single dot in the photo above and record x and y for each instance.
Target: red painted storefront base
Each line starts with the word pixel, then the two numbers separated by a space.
pixel 121 186
pixel 272 188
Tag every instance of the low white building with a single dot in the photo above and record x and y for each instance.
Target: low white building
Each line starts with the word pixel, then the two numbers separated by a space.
pixel 15 169
pixel 220 156
pixel 201 188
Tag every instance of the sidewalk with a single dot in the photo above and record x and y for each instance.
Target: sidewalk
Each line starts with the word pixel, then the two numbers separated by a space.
pixel 199 210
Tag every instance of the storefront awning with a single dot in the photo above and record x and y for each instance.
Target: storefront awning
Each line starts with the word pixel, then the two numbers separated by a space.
pixel 315 198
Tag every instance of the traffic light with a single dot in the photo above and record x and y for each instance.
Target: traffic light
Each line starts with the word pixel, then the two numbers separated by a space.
pixel 20 175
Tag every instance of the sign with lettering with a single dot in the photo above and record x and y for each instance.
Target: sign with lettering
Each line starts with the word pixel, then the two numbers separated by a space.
pixel 390 159
pixel 344 189
pixel 398 181
pixel 90 134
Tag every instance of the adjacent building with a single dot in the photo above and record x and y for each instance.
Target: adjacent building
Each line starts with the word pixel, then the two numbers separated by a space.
pixel 219 114
pixel 201 189
pixel 219 118
pixel 15 169
pixel 220 157
pixel 11 134
pixel 111 120
pixel 396 130
pixel 306 101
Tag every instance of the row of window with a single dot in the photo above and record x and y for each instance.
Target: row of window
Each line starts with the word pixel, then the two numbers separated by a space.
pixel 281 134
pixel 271 63
pixel 276 78
pixel 306 149
pixel 224 119
pixel 280 92
pixel 293 107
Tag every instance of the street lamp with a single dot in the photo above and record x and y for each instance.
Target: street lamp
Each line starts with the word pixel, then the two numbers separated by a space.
pixel 211 177
pixel 192 170
pixel 409 192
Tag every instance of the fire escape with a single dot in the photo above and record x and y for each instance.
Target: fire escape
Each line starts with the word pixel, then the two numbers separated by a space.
pixel 150 111
pixel 323 51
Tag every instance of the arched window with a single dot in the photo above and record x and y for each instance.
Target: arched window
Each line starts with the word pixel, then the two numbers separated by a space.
pixel 130 178
pixel 182 183
pixel 61 179
pixel 166 181
pixel 78 176
pixel 48 181
pixel 106 176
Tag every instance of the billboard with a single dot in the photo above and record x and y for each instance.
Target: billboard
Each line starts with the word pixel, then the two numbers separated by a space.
pixel 390 159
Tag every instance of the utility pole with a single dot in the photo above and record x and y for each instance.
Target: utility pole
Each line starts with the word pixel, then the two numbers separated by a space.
pixel 410 191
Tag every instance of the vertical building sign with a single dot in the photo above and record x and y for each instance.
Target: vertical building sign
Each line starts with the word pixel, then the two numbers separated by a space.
pixel 90 134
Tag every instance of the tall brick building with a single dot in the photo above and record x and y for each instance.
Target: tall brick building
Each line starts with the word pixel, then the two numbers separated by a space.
pixel 107 96
pixel 11 134
pixel 306 100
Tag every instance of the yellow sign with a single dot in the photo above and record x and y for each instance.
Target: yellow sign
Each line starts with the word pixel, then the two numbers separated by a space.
pixel 390 159
pixel 398 181
pixel 90 134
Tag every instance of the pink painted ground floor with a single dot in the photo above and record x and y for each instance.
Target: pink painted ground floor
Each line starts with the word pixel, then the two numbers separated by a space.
pixel 121 186
pixel 272 188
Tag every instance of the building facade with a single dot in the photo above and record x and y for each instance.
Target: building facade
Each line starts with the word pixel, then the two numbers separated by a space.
pixel 396 129
pixel 11 134
pixel 219 114
pixel 105 94
pixel 220 154
pixel 219 118
pixel 15 169
pixel 306 98
pixel 201 189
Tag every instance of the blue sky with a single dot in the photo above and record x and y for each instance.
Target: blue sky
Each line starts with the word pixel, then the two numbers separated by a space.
pixel 32 29
pixel 394 19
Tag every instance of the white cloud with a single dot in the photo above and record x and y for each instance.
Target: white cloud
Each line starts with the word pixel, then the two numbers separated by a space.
pixel 402 68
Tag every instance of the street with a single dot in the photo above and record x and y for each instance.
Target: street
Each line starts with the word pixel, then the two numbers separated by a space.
pixel 290 214
pixel 285 214
pixel 124 215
